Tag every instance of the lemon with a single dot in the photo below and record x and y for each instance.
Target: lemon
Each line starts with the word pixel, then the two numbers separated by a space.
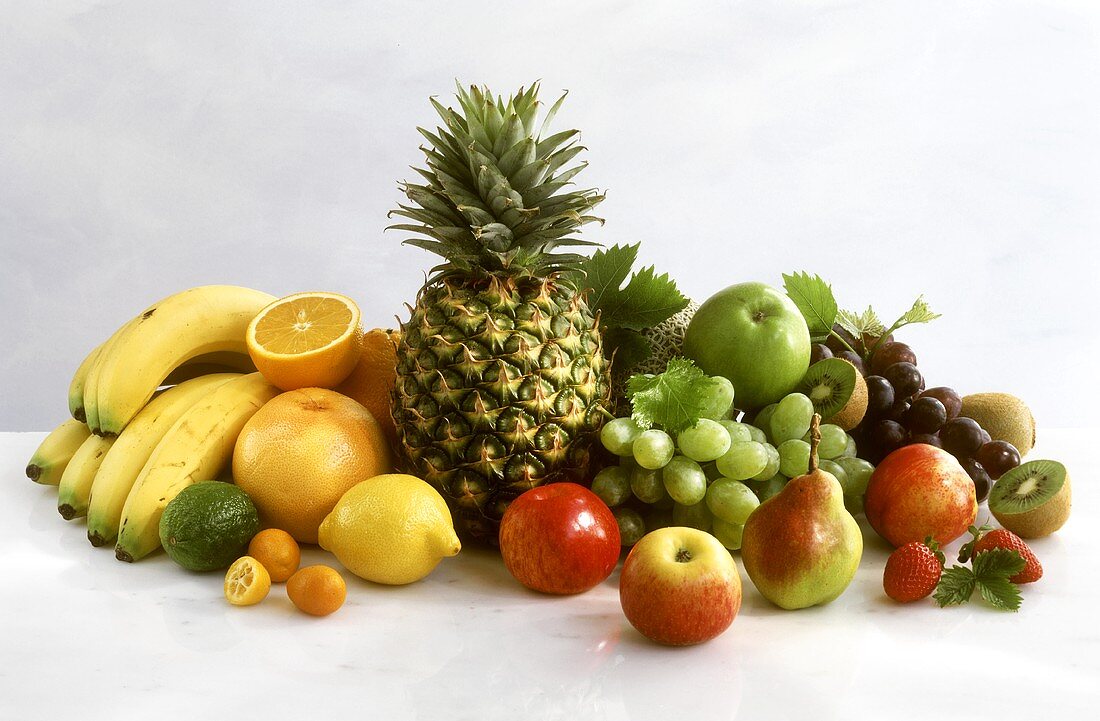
pixel 391 529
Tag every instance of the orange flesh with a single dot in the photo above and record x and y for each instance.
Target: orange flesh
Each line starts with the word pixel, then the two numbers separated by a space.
pixel 241 580
pixel 303 325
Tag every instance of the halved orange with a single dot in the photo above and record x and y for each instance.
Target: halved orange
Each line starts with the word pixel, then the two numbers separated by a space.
pixel 306 340
pixel 247 582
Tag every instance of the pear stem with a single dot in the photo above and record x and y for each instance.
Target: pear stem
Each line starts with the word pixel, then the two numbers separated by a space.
pixel 815 439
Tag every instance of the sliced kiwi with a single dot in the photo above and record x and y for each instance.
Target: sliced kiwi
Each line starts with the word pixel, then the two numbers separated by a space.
pixel 1033 499
pixel 1004 416
pixel 837 391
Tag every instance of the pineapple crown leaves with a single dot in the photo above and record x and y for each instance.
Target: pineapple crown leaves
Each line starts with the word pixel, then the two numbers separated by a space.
pixel 495 198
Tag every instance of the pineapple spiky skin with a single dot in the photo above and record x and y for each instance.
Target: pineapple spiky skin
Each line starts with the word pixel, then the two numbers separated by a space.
pixel 501 382
pixel 502 386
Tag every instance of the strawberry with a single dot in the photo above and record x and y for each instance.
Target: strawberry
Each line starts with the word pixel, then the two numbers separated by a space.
pixel 912 571
pixel 1000 538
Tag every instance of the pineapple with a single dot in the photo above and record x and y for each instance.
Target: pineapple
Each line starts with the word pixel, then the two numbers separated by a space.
pixel 502 384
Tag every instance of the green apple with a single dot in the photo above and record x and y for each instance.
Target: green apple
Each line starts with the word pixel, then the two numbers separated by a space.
pixel 756 337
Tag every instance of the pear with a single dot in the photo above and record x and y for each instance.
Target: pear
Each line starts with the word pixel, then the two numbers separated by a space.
pixel 801 547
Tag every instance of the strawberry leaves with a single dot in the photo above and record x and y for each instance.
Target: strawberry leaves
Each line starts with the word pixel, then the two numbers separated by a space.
pixel 976 533
pixel 934 547
pixel 990 577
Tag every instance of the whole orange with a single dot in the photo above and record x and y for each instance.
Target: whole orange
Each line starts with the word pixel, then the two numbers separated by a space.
pixel 277 551
pixel 300 452
pixel 372 379
pixel 317 590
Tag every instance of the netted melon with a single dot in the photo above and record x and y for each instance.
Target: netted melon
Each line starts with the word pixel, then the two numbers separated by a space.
pixel 666 342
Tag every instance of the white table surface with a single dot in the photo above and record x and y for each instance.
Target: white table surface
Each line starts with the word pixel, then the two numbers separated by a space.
pixel 87 637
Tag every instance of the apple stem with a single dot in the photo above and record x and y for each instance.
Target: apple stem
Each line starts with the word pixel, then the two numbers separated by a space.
pixel 815 439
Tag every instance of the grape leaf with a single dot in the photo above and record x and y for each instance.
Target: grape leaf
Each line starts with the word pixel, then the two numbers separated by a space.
pixel 606 270
pixel 919 313
pixel 866 323
pixel 815 300
pixel 674 400
pixel 627 348
pixel 646 300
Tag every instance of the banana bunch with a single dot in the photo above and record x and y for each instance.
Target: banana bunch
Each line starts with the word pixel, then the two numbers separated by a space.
pixel 133 444
pixel 192 333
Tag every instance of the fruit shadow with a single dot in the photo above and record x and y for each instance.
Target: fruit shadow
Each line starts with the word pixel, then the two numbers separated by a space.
pixel 476 569
pixel 42 512
pixel 482 571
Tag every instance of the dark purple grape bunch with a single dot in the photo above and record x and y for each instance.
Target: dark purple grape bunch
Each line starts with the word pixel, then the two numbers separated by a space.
pixel 901 411
pixel 846 346
pixel 896 414
pixel 984 459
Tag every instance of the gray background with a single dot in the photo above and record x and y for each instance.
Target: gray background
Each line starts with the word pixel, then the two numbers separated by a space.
pixel 896 148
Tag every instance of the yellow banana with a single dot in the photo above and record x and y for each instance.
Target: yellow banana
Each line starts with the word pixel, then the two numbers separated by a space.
pixel 135 444
pixel 197 447
pixel 209 364
pixel 76 386
pixel 48 463
pixel 91 379
pixel 206 364
pixel 201 320
pixel 76 482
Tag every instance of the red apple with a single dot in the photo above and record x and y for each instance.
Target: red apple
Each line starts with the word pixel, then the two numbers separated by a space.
pixel 919 491
pixel 559 538
pixel 680 586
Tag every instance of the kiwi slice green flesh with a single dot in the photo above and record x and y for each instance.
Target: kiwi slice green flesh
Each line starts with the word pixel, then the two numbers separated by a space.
pixel 1033 499
pixel 837 391
pixel 829 384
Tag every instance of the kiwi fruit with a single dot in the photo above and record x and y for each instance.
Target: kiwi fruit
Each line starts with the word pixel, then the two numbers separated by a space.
pixel 837 390
pixel 1005 417
pixel 1032 500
